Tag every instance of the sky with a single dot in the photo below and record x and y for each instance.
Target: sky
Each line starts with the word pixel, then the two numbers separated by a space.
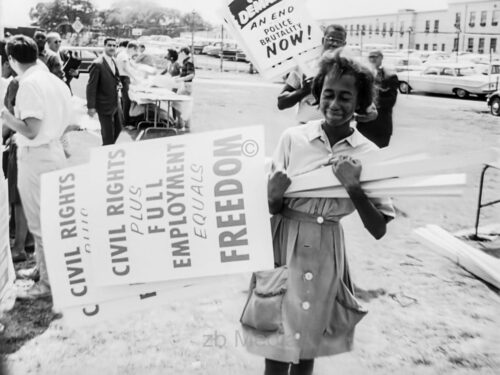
pixel 16 12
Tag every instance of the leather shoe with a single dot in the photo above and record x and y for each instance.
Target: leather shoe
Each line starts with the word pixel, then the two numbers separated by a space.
pixel 28 274
pixel 35 292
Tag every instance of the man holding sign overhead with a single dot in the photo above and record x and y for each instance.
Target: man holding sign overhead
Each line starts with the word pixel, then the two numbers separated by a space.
pixel 297 88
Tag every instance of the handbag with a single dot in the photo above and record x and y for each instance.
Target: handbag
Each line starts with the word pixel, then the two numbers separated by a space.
pixel 263 308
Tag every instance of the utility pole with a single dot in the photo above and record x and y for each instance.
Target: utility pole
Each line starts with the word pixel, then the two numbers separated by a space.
pixel 221 47
pixel 192 34
pixel 2 26
pixel 410 30
pixel 361 42
pixel 458 41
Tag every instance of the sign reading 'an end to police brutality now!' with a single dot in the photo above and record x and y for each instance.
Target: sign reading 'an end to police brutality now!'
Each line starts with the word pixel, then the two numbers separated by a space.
pixel 273 32
pixel 180 207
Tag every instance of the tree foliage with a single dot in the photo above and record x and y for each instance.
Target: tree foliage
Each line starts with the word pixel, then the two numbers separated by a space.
pixel 152 16
pixel 58 12
pixel 124 15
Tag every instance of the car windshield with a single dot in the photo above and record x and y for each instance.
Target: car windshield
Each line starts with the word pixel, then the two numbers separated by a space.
pixel 462 72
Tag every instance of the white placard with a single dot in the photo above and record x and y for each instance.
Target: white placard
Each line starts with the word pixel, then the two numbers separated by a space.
pixel 65 230
pixel 180 207
pixel 277 35
pixel 7 275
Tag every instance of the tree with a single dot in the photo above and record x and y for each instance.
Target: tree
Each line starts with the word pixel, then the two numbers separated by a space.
pixel 154 18
pixel 51 15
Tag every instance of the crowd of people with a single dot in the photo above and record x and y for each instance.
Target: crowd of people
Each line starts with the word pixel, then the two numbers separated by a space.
pixel 306 305
pixel 36 110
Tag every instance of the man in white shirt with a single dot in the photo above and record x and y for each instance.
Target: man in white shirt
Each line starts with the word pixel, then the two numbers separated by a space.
pixel 42 113
pixel 127 76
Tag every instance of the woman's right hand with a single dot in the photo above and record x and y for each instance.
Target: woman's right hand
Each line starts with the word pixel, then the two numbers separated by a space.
pixel 277 185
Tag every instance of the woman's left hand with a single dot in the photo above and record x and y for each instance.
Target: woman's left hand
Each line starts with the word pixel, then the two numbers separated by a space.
pixel 347 170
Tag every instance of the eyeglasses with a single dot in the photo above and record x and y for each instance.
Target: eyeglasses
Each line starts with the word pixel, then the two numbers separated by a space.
pixel 332 39
pixel 110 45
pixel 57 41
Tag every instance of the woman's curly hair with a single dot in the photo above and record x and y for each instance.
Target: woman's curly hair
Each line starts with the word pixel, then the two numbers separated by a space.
pixel 333 63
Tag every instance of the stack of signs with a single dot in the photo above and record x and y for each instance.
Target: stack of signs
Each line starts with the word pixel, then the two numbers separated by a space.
pixel 143 220
pixel 7 275
pixel 277 35
pixel 391 172
pixel 477 262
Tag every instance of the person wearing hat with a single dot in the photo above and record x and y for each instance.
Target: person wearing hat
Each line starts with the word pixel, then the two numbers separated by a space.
pixel 379 130
pixel 297 89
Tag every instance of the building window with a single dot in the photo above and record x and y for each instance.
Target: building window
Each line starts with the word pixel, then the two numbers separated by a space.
pixel 470 45
pixel 434 47
pixel 402 28
pixel 455 45
pixel 480 47
pixel 427 26
pixel 495 17
pixel 472 19
pixel 400 45
pixel 426 47
pixel 458 16
pixel 351 30
pixel 493 45
pixel 357 29
pixel 363 30
pixel 370 30
pixel 484 15
pixel 436 26
pixel 443 47
pixel 417 46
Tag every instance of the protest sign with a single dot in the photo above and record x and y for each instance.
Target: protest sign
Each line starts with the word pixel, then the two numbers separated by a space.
pixel 7 275
pixel 176 293
pixel 68 238
pixel 277 35
pixel 179 207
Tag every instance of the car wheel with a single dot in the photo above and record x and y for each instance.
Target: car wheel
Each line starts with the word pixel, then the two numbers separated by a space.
pixel 461 93
pixel 495 106
pixel 404 87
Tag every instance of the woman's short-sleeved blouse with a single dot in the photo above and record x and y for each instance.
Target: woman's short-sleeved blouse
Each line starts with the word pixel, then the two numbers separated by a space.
pixel 304 148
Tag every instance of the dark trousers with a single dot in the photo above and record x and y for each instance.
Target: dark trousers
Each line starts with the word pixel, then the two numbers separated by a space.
pixel 125 98
pixel 111 126
pixel 304 367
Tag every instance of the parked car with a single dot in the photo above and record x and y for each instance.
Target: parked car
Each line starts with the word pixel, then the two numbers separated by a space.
pixel 228 50
pixel 403 63
pixel 494 103
pixel 447 78
pixel 85 54
pixel 200 44
pixel 241 56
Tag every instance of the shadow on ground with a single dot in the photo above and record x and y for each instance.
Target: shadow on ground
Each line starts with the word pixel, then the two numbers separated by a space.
pixel 26 320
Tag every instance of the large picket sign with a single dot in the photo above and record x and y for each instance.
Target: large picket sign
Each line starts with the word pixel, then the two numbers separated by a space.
pixel 277 35
pixel 7 275
pixel 179 207
pixel 65 229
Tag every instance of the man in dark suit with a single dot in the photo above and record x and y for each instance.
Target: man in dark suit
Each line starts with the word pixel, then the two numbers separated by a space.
pixel 379 131
pixel 102 93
